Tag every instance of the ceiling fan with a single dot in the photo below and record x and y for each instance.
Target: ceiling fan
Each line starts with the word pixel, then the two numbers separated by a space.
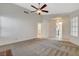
pixel 39 9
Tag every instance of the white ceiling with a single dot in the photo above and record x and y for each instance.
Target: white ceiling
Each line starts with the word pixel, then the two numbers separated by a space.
pixel 53 8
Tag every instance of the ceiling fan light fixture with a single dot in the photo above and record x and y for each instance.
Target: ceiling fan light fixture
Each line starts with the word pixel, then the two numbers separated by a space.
pixel 39 12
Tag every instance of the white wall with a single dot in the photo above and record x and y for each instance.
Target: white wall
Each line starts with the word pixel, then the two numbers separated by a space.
pixel 46 27
pixel 50 26
pixel 51 32
pixel 73 38
pixel 15 25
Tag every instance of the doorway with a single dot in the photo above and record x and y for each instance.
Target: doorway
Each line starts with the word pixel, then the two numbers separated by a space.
pixel 59 30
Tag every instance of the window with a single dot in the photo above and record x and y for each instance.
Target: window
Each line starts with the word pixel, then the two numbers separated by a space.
pixel 74 26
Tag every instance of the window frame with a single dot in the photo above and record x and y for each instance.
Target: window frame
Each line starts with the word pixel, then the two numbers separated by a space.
pixel 74 26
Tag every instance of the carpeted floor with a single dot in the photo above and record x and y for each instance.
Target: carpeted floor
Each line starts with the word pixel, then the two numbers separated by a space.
pixel 42 47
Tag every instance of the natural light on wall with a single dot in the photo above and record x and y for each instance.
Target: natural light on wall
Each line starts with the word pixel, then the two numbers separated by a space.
pixel 39 30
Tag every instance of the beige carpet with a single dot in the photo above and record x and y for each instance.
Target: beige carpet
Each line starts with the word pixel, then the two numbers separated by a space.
pixel 42 47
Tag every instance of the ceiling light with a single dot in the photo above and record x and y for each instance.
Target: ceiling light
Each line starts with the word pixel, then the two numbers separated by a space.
pixel 39 12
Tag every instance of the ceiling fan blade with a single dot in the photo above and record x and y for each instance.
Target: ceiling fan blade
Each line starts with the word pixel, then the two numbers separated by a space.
pixel 43 6
pixel 34 7
pixel 45 11
pixel 33 11
pixel 26 12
